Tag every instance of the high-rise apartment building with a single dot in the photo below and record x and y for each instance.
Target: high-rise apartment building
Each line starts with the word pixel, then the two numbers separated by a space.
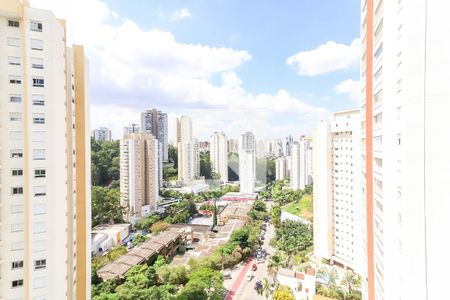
pixel 233 146
pixel 219 155
pixel 247 162
pixel 188 151
pixel 337 196
pixel 282 167
pixel 406 158
pixel 44 158
pixel 155 122
pixel 301 163
pixel 276 148
pixel 102 134
pixel 132 128
pixel 139 186
pixel 288 148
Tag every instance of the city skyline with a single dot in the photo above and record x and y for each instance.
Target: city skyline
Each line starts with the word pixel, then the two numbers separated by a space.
pixel 232 84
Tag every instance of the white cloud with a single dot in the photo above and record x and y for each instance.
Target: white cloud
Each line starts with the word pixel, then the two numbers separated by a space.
pixel 132 69
pixel 350 87
pixel 326 58
pixel 180 14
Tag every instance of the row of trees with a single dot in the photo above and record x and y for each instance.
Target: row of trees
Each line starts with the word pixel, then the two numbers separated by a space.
pixel 347 287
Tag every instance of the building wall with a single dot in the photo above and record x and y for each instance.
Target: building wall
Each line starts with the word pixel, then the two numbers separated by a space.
pixel 405 157
pixel 219 155
pixel 247 162
pixel 50 219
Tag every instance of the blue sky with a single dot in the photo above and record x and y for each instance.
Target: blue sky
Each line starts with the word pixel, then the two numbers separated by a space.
pixel 224 62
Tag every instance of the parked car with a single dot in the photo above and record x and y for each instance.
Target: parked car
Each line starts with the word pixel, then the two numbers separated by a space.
pixel 254 267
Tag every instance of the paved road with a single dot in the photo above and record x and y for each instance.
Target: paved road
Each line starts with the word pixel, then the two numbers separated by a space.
pixel 246 289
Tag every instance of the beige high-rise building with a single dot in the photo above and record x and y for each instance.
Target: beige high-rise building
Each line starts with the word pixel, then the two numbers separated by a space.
pixel 247 162
pixel 139 188
pixel 337 205
pixel 44 158
pixel 301 163
pixel 188 151
pixel 282 167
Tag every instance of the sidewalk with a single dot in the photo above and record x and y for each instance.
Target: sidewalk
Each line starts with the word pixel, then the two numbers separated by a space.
pixel 237 282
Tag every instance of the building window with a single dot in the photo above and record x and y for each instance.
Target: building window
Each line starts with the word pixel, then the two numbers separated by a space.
pixel 36 26
pixel 39 209
pixel 17 283
pixel 15 98
pixel 17 265
pixel 17 190
pixel 13 23
pixel 14 60
pixel 38 81
pixel 13 42
pixel 16 172
pixel 38 154
pixel 18 227
pixel 16 135
pixel 17 246
pixel 38 100
pixel 15 117
pixel 37 44
pixel 16 209
pixel 38 118
pixel 15 79
pixel 17 153
pixel 39 191
pixel 37 63
pixel 39 173
pixel 38 136
pixel 39 227
pixel 40 264
pixel 40 246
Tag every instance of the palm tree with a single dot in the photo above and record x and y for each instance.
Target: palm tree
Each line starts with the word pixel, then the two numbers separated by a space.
pixel 266 287
pixel 275 262
pixel 328 276
pixel 351 281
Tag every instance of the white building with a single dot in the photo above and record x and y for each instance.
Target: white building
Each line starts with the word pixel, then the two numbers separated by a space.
pixel 276 148
pixel 337 204
pixel 188 151
pixel 102 134
pixel 233 146
pixel 301 163
pixel 44 158
pixel 405 103
pixel 282 167
pixel 139 185
pixel 219 155
pixel 247 162
pixel 302 284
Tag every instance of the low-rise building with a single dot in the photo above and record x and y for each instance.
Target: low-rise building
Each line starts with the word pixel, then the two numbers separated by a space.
pixel 234 211
pixel 302 284
pixel 106 236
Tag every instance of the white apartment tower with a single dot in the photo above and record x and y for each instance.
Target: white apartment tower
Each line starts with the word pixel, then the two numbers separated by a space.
pixel 219 155
pixel 247 162
pixel 337 204
pixel 188 151
pixel 282 167
pixel 301 163
pixel 139 188
pixel 44 158
pixel 102 134
pixel 405 102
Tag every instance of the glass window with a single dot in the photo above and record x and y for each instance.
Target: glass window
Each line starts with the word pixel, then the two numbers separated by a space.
pixel 16 172
pixel 17 246
pixel 39 191
pixel 17 283
pixel 17 190
pixel 38 81
pixel 17 264
pixel 13 23
pixel 18 227
pixel 15 117
pixel 40 264
pixel 15 98
pixel 38 118
pixel 15 79
pixel 37 63
pixel 39 173
pixel 38 154
pixel 37 44
pixel 16 153
pixel 13 42
pixel 36 26
pixel 16 209
pixel 38 100
pixel 14 60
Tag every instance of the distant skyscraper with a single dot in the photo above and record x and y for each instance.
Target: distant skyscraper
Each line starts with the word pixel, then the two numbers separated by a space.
pixel 337 207
pixel 276 148
pixel 102 134
pixel 155 122
pixel 260 149
pixel 219 155
pixel 139 186
pixel 282 167
pixel 132 128
pixel 301 163
pixel 247 162
pixel 188 151
pixel 288 148
pixel 233 146
pixel 44 158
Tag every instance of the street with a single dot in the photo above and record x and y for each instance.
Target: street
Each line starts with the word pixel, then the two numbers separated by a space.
pixel 240 287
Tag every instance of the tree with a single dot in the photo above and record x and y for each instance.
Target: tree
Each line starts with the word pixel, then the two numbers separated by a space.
pixel 351 281
pixel 205 165
pixel 139 239
pixel 105 162
pixel 106 206
pixel 275 214
pixel 283 293
pixel 170 173
pixel 328 276
pixel 240 236
pixel 266 287
pixel 276 261
pixel 173 156
pixel 204 283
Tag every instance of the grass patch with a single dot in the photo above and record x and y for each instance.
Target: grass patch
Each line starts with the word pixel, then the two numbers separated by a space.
pixel 301 208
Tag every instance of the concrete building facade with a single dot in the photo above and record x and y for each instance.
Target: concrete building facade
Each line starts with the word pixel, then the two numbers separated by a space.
pixel 247 162
pixel 102 134
pixel 219 155
pixel 44 158
pixel 301 163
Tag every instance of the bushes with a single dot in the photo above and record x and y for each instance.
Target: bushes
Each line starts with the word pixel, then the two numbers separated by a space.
pixel 158 227
pixel 147 222
pixel 139 239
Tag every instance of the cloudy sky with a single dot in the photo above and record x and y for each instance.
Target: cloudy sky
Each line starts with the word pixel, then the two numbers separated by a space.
pixel 232 65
